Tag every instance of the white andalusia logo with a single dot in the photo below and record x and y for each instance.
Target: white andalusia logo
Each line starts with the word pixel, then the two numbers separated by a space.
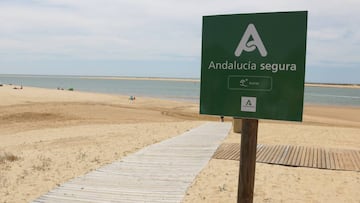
pixel 248 45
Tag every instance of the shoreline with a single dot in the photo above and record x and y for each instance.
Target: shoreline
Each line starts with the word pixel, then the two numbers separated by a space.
pixel 106 77
pixel 174 99
pixel 351 86
pixel 310 110
pixel 196 80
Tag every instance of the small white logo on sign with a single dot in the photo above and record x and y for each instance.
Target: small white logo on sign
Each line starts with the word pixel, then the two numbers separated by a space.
pixel 248 45
pixel 248 104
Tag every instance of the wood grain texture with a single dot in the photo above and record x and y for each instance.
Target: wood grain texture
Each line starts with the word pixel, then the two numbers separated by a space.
pixel 161 172
pixel 301 156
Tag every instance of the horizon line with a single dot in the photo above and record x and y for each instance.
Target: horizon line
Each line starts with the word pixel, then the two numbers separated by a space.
pixel 119 77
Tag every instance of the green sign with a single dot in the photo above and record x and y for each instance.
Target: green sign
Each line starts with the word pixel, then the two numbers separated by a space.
pixel 253 65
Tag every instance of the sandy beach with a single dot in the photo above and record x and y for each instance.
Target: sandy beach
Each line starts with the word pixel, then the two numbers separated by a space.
pixel 50 136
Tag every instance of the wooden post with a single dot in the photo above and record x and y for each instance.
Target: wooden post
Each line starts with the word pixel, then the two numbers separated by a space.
pixel 247 160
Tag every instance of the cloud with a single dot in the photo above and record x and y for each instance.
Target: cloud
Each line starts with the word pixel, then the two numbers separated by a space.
pixel 158 30
pixel 119 31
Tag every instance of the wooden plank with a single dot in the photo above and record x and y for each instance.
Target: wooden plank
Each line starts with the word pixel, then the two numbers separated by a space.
pixel 312 155
pixel 233 146
pixel 222 151
pixel 323 158
pixel 303 156
pixel 315 158
pixel 355 160
pixel 276 154
pixel 296 156
pixel 348 163
pixel 280 153
pixel 344 160
pixel 309 157
pixel 259 147
pixel 332 159
pixel 285 155
pixel 351 159
pixel 271 154
pixel 290 156
pixel 327 159
pixel 261 153
pixel 319 158
pixel 158 173
pixel 336 160
pixel 264 154
pixel 235 155
pixel 341 160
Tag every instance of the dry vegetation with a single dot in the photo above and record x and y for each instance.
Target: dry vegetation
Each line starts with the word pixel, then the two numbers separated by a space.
pixel 8 157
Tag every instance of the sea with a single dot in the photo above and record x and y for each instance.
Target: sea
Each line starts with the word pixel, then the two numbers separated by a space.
pixel 180 90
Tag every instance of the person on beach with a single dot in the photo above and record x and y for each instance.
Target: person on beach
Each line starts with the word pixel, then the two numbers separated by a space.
pixel 20 88
pixel 132 98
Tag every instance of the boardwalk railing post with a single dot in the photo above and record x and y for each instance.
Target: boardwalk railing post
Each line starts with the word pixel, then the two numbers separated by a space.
pixel 247 160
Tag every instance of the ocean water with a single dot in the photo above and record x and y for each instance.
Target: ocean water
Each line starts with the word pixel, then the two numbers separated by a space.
pixel 173 90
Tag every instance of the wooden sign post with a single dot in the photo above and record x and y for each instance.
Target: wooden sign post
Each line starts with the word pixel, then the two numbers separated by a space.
pixel 253 67
pixel 247 160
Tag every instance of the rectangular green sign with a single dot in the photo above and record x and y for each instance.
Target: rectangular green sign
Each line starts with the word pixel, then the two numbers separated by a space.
pixel 253 65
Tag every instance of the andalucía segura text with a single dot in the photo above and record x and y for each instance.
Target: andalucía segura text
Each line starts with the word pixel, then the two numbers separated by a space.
pixel 249 66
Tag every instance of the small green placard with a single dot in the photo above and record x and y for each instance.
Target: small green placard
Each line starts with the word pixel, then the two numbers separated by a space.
pixel 253 65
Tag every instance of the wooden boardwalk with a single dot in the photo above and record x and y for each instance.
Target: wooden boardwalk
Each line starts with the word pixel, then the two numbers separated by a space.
pixel 158 173
pixel 301 156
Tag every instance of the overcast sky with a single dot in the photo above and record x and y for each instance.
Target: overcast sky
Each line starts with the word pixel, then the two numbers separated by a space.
pixel 158 38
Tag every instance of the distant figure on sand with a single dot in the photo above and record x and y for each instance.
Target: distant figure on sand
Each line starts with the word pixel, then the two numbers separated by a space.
pixel 132 98
pixel 222 118
pixel 21 87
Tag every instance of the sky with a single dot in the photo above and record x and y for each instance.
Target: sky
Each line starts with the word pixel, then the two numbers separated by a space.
pixel 159 38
